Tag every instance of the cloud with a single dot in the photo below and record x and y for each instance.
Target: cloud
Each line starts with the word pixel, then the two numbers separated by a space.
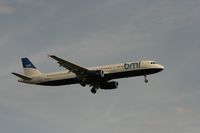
pixel 182 111
pixel 6 8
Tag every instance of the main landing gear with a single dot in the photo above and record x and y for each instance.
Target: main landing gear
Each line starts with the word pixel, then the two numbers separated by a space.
pixel 145 79
pixel 83 84
pixel 94 87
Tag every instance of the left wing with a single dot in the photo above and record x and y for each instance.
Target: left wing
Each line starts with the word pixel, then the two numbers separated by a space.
pixel 78 70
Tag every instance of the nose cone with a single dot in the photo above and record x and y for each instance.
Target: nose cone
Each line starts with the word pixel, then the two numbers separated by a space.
pixel 161 67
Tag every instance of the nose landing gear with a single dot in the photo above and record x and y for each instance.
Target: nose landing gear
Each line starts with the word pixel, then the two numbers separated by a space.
pixel 145 79
pixel 94 90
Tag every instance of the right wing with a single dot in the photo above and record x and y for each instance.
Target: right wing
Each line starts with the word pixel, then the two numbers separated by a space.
pixel 78 70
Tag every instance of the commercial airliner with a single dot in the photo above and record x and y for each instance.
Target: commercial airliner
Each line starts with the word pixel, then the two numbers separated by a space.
pixel 100 77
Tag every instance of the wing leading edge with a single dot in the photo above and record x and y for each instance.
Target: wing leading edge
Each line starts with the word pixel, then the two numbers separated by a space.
pixel 78 70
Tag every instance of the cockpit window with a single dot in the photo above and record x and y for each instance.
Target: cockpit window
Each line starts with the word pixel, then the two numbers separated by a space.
pixel 153 63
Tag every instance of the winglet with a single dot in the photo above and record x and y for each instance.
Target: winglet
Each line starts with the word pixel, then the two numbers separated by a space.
pixel 49 55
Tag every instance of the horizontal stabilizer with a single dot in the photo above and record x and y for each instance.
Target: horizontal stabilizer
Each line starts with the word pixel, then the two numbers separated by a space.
pixel 21 76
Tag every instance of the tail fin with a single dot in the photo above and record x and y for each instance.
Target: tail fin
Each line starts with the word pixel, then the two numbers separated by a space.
pixel 29 69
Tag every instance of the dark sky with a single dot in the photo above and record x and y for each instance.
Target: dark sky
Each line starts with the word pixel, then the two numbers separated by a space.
pixel 91 33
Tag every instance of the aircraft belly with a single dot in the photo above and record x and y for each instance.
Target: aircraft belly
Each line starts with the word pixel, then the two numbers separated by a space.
pixel 60 82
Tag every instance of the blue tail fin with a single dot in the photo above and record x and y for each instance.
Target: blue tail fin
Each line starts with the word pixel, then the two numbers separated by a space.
pixel 29 69
pixel 27 63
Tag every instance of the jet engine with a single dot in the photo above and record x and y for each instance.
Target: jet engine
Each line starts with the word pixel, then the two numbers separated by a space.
pixel 109 85
pixel 95 74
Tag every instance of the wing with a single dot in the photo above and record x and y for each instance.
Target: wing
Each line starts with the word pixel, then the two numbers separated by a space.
pixel 78 70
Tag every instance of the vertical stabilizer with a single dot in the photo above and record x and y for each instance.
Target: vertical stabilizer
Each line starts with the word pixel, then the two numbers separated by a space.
pixel 29 69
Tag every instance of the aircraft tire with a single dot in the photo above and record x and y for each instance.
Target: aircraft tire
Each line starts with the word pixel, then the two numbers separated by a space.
pixel 93 90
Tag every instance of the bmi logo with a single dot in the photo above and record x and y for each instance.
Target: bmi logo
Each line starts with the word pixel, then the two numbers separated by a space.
pixel 130 66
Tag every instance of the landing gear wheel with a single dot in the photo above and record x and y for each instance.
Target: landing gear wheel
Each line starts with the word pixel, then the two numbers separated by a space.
pixel 145 79
pixel 83 84
pixel 93 90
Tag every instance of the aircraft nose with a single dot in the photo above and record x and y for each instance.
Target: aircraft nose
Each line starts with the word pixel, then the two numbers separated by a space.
pixel 162 67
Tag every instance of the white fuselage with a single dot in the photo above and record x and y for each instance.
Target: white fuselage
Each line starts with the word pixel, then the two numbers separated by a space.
pixel 113 71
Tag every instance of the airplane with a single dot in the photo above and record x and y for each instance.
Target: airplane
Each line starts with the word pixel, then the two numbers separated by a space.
pixel 100 77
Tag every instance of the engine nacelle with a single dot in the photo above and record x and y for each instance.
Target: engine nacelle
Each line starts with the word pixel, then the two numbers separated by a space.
pixel 109 85
pixel 95 74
